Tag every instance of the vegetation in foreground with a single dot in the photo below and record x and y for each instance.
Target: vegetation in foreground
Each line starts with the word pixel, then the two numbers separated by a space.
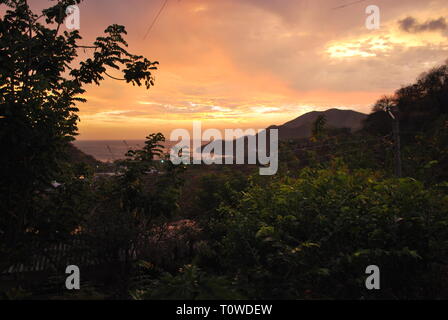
pixel 159 231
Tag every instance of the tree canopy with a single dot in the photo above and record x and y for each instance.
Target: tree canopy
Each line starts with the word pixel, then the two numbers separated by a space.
pixel 42 80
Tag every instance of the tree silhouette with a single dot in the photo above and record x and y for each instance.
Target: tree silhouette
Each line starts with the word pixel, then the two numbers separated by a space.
pixel 151 150
pixel 318 129
pixel 40 87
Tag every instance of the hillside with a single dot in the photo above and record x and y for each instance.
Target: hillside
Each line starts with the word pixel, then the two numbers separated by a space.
pixel 300 127
pixel 75 155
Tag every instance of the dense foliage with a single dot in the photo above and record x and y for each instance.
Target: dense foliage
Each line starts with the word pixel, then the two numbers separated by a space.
pixel 313 236
pixel 40 85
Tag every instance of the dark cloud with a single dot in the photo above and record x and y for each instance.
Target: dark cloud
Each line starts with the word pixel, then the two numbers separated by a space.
pixel 410 24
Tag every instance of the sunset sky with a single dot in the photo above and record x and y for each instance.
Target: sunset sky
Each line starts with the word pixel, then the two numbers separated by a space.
pixel 253 63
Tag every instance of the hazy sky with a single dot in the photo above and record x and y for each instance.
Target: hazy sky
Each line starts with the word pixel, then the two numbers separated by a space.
pixel 253 63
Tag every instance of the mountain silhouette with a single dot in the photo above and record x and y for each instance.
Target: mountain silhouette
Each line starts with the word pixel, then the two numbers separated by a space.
pixel 300 127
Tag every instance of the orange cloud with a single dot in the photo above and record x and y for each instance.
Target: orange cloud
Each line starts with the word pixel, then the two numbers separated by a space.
pixel 253 63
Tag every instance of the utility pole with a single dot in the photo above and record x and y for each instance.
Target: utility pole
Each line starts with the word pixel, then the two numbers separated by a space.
pixel 397 144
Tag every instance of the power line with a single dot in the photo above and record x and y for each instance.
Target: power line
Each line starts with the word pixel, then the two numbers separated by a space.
pixel 155 19
pixel 347 4
pixel 111 153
